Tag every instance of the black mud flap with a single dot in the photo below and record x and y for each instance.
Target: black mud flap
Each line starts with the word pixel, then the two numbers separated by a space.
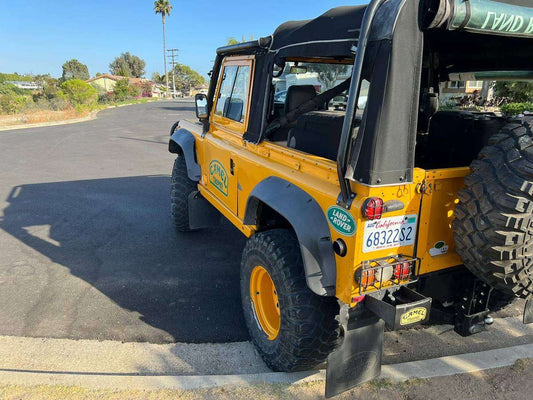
pixel 202 214
pixel 358 359
pixel 528 312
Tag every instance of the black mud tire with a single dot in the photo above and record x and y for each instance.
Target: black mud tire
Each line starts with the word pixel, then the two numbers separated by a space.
pixel 493 227
pixel 181 187
pixel 309 331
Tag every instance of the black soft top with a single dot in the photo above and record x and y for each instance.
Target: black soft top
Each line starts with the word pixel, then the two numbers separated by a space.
pixel 330 35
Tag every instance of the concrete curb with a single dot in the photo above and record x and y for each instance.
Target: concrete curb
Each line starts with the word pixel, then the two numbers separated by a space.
pixel 443 366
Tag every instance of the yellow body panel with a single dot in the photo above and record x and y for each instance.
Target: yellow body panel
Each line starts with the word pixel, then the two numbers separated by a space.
pixel 437 213
pixel 245 165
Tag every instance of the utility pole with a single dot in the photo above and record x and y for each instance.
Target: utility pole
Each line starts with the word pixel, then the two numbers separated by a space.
pixel 173 64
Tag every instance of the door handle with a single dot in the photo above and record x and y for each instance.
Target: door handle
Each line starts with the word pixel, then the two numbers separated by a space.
pixel 231 166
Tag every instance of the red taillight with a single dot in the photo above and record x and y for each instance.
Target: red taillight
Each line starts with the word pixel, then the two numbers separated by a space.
pixel 373 208
pixel 402 271
pixel 358 299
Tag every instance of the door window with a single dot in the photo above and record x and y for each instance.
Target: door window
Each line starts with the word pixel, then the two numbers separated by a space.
pixel 233 95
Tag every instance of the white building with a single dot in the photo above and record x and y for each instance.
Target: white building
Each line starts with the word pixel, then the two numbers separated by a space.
pixel 25 85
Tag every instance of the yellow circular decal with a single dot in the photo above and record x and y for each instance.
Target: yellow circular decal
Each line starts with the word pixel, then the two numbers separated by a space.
pixel 416 314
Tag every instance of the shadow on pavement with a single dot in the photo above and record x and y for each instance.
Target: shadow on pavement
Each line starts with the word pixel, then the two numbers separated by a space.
pixel 116 234
pixel 180 108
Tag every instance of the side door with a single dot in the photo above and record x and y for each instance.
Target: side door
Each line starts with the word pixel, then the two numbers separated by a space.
pixel 229 120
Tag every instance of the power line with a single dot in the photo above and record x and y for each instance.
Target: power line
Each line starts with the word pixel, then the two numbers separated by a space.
pixel 173 55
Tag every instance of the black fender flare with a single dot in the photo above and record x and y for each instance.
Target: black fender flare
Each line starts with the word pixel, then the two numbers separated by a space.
pixel 182 142
pixel 307 219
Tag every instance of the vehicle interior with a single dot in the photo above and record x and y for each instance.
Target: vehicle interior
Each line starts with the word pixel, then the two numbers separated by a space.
pixel 449 135
pixel 318 130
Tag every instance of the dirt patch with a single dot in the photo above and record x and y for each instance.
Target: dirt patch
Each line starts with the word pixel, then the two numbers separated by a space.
pixel 514 383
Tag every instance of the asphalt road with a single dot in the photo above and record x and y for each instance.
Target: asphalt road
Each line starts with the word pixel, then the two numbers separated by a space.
pixel 87 249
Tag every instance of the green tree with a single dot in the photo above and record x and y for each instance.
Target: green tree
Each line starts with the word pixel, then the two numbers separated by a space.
pixel 79 92
pixel 128 65
pixel 158 78
pixel 163 7
pixel 232 40
pixel 186 77
pixel 73 69
pixel 328 74
pixel 516 91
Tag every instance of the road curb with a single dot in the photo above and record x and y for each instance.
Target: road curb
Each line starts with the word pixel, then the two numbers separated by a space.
pixel 442 366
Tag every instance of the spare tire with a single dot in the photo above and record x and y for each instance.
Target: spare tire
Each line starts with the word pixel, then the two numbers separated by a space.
pixel 493 228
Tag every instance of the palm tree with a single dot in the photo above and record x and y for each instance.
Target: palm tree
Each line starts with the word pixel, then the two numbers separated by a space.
pixel 163 7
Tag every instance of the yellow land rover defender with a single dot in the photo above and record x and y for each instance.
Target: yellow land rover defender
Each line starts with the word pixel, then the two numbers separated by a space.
pixel 364 205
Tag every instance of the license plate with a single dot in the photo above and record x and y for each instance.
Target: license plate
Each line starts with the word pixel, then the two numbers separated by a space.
pixel 389 232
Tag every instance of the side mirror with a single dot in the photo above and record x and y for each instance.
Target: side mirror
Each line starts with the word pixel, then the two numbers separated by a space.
pixel 201 105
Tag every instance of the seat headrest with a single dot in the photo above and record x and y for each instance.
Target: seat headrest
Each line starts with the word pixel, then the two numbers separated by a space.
pixel 233 108
pixel 297 95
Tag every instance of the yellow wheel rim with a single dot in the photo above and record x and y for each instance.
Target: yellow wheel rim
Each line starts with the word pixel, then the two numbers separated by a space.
pixel 265 302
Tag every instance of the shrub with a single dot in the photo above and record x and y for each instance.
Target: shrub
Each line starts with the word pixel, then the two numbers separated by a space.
pixel 106 98
pixel 517 91
pixel 6 88
pixel 514 109
pixel 79 92
pixel 12 103
pixel 123 90
pixel 146 89
pixel 58 103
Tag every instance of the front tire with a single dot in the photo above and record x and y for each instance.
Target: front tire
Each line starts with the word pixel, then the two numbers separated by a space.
pixel 181 187
pixel 292 328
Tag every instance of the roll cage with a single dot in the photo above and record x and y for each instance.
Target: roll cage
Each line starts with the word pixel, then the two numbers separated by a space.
pixel 404 48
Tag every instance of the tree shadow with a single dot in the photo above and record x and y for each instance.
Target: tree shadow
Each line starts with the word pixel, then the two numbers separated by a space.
pixel 116 235
pixel 179 108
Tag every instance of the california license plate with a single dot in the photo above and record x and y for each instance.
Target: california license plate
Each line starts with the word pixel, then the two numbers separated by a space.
pixel 389 232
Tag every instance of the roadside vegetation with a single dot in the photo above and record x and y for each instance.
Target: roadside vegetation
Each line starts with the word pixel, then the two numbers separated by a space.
pixel 511 98
pixel 519 96
pixel 69 96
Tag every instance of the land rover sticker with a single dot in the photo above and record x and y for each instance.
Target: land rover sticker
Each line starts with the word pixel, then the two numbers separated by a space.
pixel 341 221
pixel 438 249
pixel 414 315
pixel 218 177
pixel 389 232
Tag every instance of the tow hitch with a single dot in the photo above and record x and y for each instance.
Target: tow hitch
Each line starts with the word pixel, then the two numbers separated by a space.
pixel 472 312
pixel 358 359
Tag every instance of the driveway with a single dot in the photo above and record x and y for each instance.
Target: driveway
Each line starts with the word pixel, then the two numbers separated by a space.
pixel 87 249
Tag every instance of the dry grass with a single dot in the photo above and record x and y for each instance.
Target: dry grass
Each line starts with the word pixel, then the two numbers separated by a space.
pixel 41 116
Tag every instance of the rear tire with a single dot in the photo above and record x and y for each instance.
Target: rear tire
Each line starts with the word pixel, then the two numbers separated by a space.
pixel 494 217
pixel 307 330
pixel 181 187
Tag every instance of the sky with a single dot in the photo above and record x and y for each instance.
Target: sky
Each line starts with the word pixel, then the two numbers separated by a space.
pixel 38 36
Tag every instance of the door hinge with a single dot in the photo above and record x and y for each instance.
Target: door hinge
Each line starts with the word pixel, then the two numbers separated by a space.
pixel 424 187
